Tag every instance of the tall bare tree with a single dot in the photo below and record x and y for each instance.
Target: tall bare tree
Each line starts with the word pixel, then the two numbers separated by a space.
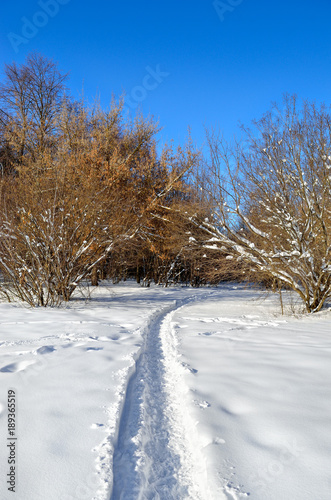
pixel 271 198
pixel 31 98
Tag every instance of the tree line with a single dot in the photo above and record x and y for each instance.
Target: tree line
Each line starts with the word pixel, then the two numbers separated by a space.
pixel 85 194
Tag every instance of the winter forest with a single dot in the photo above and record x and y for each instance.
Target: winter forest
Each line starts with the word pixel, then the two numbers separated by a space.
pixel 164 303
pixel 86 194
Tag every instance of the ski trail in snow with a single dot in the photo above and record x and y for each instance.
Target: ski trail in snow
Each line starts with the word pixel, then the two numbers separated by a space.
pixel 157 455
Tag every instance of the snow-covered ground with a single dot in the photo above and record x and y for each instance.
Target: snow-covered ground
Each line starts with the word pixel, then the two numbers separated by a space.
pixel 178 393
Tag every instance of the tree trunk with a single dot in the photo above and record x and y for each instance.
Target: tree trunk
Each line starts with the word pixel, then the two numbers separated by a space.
pixel 94 277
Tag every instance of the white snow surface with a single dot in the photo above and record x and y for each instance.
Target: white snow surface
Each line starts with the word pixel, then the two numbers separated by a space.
pixel 167 394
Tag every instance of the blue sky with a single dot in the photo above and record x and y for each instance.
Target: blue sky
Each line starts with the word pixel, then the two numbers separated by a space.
pixel 183 61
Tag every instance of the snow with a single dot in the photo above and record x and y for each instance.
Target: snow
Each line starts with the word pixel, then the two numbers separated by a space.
pixel 176 393
pixel 263 401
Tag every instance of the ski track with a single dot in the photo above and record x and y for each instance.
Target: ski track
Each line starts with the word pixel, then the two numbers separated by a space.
pixel 157 455
pixel 152 450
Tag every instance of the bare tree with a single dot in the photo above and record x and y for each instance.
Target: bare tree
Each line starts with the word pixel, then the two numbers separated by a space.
pixel 271 199
pixel 31 98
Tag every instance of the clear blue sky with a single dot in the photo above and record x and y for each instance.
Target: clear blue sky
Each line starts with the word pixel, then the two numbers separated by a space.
pixel 212 69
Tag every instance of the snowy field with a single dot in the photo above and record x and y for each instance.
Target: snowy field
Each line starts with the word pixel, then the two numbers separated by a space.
pixel 169 394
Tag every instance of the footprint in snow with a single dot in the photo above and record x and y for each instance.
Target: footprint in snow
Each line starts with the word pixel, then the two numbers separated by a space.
pixel 109 338
pixel 97 426
pixel 192 370
pixel 202 404
pixel 17 367
pixel 89 349
pixel 218 440
pixel 45 349
pixel 65 346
